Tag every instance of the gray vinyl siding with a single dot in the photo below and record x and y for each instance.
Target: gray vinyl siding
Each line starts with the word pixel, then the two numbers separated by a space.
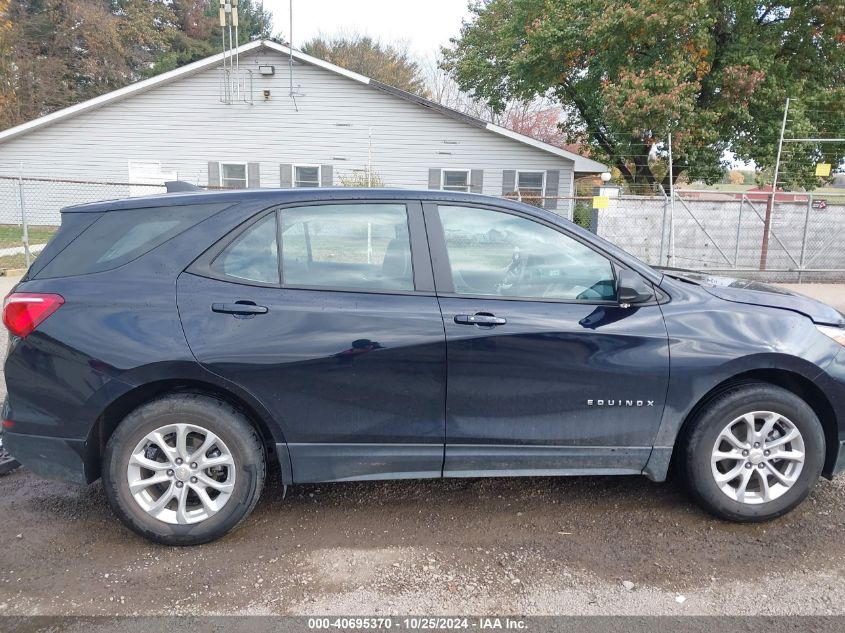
pixel 183 125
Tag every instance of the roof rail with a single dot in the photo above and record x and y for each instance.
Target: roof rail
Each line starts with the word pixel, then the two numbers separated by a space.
pixel 175 186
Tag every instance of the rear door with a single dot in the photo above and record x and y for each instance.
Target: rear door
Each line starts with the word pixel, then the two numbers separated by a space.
pixel 326 313
pixel 548 374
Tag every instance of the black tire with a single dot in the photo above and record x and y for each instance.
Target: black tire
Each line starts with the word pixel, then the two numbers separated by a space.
pixel 7 462
pixel 216 416
pixel 709 423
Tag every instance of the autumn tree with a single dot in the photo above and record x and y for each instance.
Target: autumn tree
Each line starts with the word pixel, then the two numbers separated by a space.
pixel 714 73
pixel 8 97
pixel 736 177
pixel 538 119
pixel 54 53
pixel 388 63
pixel 58 52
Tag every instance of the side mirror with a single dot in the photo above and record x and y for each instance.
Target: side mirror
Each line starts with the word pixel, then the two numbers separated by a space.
pixel 631 289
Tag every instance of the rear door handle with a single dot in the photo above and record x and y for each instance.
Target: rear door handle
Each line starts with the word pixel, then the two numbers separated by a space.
pixel 480 318
pixel 242 309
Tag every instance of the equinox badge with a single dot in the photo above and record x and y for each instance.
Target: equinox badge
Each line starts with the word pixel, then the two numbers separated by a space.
pixel 620 403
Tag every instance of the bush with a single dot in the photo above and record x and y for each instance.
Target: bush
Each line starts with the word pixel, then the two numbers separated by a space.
pixel 361 178
pixel 582 215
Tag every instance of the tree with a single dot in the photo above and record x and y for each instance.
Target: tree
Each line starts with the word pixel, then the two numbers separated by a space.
pixel 714 73
pixel 443 89
pixel 736 177
pixel 362 178
pixel 197 33
pixel 54 53
pixel 61 52
pixel 537 119
pixel 388 63
pixel 8 96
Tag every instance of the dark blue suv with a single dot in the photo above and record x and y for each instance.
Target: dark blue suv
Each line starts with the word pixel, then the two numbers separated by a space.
pixel 180 345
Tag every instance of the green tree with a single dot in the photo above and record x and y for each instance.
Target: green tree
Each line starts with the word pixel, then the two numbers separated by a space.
pixel 197 33
pixel 387 63
pixel 714 73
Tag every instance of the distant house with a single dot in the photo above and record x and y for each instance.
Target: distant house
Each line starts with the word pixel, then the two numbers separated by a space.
pixel 291 120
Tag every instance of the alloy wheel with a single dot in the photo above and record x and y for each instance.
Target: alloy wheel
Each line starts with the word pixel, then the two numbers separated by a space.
pixel 181 474
pixel 757 457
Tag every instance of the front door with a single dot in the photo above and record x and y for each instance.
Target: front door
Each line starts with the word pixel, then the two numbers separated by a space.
pixel 547 374
pixel 343 342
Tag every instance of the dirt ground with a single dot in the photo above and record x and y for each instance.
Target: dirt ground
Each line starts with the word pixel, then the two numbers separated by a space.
pixel 592 545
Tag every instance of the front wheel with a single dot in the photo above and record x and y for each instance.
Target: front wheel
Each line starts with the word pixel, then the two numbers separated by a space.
pixel 754 453
pixel 184 469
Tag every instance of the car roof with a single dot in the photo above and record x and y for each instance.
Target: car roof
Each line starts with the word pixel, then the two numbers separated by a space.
pixel 277 196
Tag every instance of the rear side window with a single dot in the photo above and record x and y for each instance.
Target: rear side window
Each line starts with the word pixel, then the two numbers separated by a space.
pixel 347 246
pixel 118 237
pixel 253 255
pixel 73 224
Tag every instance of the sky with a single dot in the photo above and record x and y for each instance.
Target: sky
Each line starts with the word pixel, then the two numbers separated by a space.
pixel 423 26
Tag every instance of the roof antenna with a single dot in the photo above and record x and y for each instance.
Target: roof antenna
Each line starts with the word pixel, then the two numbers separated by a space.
pixel 290 58
pixel 225 97
pixel 237 45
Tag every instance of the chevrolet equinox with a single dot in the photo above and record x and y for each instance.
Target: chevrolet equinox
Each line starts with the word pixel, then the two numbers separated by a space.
pixel 180 345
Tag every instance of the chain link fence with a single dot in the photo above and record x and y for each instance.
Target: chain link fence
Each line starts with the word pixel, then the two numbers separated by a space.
pixel 795 238
pixel 30 210
pixel 719 232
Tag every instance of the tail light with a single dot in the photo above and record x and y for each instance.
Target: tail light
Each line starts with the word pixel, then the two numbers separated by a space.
pixel 25 311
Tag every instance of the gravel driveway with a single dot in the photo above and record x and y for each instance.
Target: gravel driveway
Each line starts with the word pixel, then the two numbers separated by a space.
pixel 593 545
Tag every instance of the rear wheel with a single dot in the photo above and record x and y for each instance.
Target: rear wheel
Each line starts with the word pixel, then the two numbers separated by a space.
pixel 183 469
pixel 754 453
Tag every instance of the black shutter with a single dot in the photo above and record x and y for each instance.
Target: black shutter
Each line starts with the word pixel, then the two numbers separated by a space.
pixel 552 188
pixel 508 181
pixel 434 178
pixel 285 176
pixel 253 175
pixel 476 181
pixel 213 174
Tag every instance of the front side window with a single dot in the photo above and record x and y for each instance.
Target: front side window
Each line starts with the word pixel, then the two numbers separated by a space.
pixel 455 180
pixel 347 246
pixel 499 254
pixel 253 256
pixel 233 175
pixel 306 176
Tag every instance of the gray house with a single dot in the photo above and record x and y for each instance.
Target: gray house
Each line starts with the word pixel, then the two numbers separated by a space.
pixel 275 117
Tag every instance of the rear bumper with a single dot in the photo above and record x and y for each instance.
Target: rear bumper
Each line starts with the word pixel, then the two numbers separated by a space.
pixel 51 457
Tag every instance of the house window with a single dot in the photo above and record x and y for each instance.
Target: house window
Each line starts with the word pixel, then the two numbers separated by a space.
pixel 306 175
pixel 531 184
pixel 233 175
pixel 455 180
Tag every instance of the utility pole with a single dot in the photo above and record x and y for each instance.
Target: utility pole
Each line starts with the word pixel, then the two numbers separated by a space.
pixel 671 206
pixel 767 223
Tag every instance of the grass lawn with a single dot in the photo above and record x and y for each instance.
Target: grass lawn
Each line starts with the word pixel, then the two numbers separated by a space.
pixel 10 262
pixel 12 235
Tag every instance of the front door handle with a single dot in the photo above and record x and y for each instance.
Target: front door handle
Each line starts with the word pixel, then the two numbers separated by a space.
pixel 240 309
pixel 480 318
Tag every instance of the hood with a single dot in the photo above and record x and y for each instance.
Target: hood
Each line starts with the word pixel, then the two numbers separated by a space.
pixel 756 293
